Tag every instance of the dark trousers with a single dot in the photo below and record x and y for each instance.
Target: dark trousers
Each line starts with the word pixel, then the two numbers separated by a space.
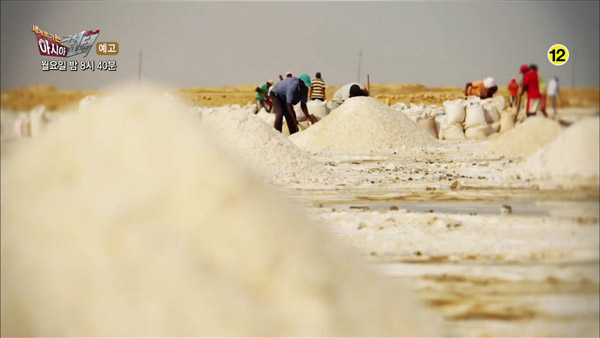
pixel 280 109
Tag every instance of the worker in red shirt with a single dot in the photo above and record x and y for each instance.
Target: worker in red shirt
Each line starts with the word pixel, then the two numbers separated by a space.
pixel 513 88
pixel 532 86
pixel 524 69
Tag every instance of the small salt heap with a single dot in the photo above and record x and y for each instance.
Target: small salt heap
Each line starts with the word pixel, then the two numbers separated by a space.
pixel 573 153
pixel 525 139
pixel 362 125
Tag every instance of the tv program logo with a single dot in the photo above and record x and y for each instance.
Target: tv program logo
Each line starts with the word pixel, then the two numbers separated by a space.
pixel 81 43
pixel 49 44
pixel 67 46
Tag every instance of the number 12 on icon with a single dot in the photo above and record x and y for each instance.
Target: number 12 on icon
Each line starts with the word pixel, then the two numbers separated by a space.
pixel 558 55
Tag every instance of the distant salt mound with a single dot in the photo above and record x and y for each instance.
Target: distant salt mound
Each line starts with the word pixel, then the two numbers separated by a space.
pixel 126 221
pixel 245 136
pixel 574 153
pixel 525 139
pixel 361 125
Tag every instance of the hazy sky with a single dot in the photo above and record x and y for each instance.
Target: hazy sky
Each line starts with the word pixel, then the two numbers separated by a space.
pixel 188 44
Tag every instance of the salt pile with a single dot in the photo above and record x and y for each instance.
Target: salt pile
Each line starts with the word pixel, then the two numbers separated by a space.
pixel 525 139
pixel 245 136
pixel 126 221
pixel 363 124
pixel 575 152
pixel 269 118
pixel 314 107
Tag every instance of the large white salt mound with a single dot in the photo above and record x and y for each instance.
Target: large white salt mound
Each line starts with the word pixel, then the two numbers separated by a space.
pixel 126 221
pixel 245 136
pixel 363 124
pixel 575 152
pixel 525 139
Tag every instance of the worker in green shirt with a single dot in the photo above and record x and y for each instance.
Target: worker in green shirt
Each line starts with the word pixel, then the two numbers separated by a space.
pixel 262 96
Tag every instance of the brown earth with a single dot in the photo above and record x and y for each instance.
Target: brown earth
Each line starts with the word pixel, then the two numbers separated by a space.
pixel 24 99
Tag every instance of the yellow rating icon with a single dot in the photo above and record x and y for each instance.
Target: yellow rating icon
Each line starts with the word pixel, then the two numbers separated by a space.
pixel 558 54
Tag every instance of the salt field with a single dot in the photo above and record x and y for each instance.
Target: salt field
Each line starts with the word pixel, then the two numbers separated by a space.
pixel 206 221
pixel 300 169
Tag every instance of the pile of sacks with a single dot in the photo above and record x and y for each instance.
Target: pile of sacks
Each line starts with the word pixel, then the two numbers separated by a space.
pixel 425 116
pixel 475 119
pixel 417 111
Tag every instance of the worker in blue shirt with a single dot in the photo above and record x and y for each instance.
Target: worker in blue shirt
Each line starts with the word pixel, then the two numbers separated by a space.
pixel 285 95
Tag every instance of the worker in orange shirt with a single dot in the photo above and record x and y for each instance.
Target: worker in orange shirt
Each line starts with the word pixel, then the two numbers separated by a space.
pixel 482 89
pixel 513 88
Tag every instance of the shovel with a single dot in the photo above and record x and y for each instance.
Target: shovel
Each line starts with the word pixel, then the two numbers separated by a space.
pixel 518 107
